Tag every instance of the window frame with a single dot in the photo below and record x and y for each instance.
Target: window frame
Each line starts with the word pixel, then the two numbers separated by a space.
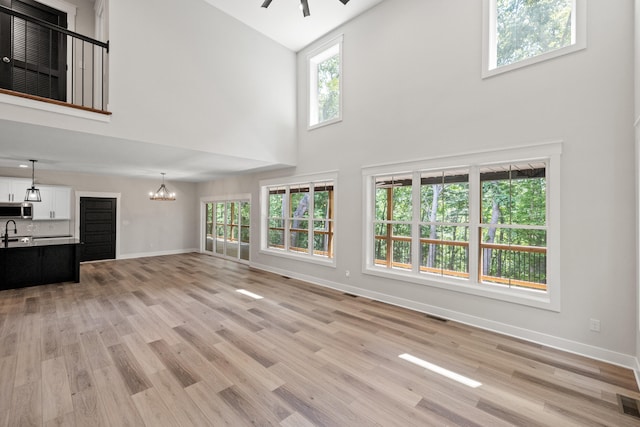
pixel 287 183
pixel 237 200
pixel 322 52
pixel 489 40
pixel 548 152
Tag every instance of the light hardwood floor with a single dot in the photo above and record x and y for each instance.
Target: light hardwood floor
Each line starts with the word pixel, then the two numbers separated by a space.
pixel 167 341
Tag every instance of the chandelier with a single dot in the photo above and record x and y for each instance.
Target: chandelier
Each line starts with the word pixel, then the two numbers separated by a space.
pixel 162 194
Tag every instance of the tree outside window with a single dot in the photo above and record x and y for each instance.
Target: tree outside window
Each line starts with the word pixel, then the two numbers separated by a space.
pixel 325 84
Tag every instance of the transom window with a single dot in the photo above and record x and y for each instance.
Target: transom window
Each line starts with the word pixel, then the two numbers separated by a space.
pixel 325 84
pixel 521 32
pixel 481 229
pixel 300 219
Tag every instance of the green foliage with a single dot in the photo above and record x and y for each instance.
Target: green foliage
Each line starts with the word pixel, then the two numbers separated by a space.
pixel 321 204
pixel 329 89
pixel 276 206
pixel 526 28
pixel 520 202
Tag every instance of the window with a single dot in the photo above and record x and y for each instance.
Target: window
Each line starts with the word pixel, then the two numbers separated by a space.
pixel 522 32
pixel 482 228
pixel 299 219
pixel 325 84
pixel 227 228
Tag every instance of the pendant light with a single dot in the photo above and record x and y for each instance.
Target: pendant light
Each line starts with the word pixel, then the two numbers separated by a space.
pixel 163 194
pixel 33 194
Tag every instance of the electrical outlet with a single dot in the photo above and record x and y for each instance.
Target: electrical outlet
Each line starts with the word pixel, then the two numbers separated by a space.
pixel 347 273
pixel 594 325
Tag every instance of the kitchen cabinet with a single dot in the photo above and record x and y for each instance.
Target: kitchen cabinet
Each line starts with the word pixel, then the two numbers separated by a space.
pixel 39 263
pixel 13 189
pixel 55 204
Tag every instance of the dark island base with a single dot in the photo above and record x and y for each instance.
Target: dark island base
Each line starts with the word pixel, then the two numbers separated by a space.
pixel 39 265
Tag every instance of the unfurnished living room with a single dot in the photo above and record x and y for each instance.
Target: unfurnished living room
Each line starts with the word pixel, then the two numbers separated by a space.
pixel 319 213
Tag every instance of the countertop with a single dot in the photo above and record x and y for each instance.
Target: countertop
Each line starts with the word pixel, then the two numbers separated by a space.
pixel 39 241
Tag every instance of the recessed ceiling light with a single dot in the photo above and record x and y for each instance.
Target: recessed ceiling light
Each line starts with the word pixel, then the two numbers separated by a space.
pixel 23 166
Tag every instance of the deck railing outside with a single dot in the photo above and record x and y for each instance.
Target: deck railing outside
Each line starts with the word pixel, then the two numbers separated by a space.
pixel 48 61
pixel 519 266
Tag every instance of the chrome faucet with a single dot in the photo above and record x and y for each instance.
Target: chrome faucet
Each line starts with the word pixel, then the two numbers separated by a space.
pixel 5 238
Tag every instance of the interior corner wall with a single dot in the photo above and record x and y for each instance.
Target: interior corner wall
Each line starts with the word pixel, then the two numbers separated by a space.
pixel 413 89
pixel 146 227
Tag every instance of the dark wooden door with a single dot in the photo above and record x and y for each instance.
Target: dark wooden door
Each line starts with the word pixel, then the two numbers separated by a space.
pixel 33 59
pixel 98 228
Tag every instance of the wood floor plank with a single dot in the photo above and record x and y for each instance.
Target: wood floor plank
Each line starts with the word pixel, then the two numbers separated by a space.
pixel 168 341
pixel 184 374
pixel 115 398
pixel 7 375
pixel 177 401
pixel 152 409
pixel 29 367
pixel 26 406
pixel 129 368
pixel 56 394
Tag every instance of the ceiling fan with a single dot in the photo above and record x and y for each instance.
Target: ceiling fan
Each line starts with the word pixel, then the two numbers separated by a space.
pixel 303 3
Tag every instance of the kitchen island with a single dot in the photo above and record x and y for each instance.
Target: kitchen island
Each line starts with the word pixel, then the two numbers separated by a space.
pixel 29 262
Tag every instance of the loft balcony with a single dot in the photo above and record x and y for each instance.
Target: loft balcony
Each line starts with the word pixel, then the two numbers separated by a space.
pixel 44 61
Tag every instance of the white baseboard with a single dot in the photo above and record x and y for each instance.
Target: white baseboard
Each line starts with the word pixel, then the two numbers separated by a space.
pixel 160 253
pixel 615 358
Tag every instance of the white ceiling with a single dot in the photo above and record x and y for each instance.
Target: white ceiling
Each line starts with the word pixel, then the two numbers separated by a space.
pixel 96 154
pixel 86 153
pixel 283 22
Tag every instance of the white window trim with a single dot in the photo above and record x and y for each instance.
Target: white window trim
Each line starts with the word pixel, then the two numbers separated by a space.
pixel 489 68
pixel 549 152
pixel 312 81
pixel 264 210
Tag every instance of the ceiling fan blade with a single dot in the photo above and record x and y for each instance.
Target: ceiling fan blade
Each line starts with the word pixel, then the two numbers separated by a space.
pixel 305 8
pixel 268 2
pixel 344 1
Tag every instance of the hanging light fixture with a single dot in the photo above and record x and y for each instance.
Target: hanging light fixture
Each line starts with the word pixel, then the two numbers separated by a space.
pixel 163 194
pixel 33 194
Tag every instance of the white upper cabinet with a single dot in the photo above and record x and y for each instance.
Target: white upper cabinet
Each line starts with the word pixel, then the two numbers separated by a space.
pixel 55 204
pixel 13 189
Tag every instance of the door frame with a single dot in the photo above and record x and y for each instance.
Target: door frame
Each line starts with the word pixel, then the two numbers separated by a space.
pixel 76 219
pixel 245 197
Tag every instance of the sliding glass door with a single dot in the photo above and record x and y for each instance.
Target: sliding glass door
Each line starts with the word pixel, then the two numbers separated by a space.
pixel 227 228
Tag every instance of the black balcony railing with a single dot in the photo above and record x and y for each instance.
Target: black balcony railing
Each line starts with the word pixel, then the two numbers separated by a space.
pixel 43 60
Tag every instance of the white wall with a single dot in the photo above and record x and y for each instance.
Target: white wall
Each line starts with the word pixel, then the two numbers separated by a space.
pixel 637 126
pixel 215 84
pixel 146 227
pixel 413 89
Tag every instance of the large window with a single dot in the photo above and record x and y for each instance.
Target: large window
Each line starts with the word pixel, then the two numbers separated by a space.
pixel 521 32
pixel 227 228
pixel 299 219
pixel 325 84
pixel 483 228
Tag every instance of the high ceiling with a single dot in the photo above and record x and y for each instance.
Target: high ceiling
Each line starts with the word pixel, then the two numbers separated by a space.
pixel 78 152
pixel 283 20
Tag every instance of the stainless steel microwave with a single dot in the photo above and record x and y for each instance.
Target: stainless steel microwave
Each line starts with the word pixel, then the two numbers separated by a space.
pixel 16 210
